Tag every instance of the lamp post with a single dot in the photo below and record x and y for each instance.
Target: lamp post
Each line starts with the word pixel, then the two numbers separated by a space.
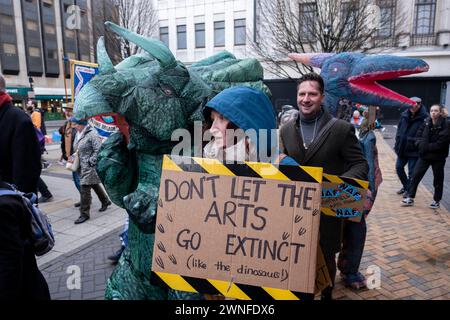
pixel 65 59
pixel 31 94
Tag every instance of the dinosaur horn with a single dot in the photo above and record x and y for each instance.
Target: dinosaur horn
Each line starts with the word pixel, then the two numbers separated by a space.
pixel 311 59
pixel 104 62
pixel 154 47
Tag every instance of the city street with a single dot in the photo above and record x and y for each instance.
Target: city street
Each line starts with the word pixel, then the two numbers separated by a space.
pixel 410 246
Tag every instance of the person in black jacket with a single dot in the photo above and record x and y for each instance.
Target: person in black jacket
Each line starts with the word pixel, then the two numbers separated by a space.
pixel 433 140
pixel 20 155
pixel 405 147
pixel 20 278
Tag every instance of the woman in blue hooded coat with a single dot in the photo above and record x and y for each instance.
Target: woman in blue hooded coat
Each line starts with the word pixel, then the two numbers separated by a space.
pixel 251 111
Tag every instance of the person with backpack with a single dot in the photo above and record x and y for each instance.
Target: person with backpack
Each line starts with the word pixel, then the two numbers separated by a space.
pixel 20 278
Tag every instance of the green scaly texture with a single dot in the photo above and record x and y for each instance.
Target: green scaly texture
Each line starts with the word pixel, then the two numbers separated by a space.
pixel 156 95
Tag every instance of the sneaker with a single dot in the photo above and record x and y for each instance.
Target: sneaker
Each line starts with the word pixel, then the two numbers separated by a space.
pixel 435 205
pixel 62 162
pixel 401 191
pixel 46 165
pixel 407 202
pixel 43 199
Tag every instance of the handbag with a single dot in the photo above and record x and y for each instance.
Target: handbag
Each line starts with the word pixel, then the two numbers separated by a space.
pixel 75 164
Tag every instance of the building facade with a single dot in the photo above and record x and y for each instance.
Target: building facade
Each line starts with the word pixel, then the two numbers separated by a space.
pixel 37 38
pixel 194 29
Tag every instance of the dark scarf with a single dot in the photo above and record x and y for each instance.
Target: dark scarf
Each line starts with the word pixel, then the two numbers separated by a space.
pixel 4 98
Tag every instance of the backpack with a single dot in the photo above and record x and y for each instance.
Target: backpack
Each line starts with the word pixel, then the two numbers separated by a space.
pixel 42 238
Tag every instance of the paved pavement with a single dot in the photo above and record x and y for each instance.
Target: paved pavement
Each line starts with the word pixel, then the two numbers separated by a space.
pixel 411 246
pixel 95 268
pixel 62 213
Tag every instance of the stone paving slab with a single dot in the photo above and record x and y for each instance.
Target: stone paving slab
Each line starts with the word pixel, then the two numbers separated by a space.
pixel 91 259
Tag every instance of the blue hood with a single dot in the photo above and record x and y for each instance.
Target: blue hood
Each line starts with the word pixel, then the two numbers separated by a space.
pixel 247 108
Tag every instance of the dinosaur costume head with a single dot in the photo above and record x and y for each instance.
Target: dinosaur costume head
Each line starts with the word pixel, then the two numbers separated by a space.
pixel 354 76
pixel 155 93
pixel 152 91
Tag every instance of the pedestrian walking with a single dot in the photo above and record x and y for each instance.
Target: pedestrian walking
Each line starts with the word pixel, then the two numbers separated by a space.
pixel 432 141
pixel 88 147
pixel 405 142
pixel 69 136
pixel 20 155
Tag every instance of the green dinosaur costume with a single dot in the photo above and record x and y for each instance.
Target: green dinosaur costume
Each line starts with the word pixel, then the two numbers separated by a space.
pixel 156 95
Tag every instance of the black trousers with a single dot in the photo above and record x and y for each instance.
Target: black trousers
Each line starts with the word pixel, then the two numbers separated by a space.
pixel 86 197
pixel 438 177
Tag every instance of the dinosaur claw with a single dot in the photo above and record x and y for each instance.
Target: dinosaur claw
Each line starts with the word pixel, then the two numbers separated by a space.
pixel 141 208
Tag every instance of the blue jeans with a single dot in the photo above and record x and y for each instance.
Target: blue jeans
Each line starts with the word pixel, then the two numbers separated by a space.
pixel 400 167
pixel 76 180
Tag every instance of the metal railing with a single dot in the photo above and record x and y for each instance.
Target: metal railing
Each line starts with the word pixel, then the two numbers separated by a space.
pixel 423 40
pixel 384 42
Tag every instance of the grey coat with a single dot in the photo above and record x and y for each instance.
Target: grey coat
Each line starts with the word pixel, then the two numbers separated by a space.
pixel 88 146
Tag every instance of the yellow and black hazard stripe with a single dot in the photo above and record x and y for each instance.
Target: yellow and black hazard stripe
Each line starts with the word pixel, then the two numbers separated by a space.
pixel 225 288
pixel 357 183
pixel 266 171
pixel 353 182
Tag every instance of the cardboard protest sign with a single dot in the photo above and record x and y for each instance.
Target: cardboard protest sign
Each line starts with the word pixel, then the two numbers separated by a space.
pixel 245 231
pixel 343 197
